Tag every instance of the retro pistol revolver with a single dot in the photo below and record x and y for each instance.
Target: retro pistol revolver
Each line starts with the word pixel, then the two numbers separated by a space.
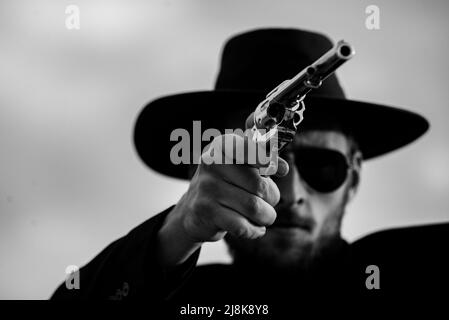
pixel 276 118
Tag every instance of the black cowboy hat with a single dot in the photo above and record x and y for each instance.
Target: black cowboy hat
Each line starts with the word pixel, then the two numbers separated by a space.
pixel 252 64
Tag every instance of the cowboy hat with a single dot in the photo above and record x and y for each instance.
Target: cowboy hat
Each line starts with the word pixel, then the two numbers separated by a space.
pixel 252 64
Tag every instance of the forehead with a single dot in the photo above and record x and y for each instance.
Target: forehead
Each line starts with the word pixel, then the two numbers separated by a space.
pixel 328 139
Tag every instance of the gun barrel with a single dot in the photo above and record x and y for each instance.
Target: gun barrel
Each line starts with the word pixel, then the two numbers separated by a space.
pixel 312 76
pixel 333 59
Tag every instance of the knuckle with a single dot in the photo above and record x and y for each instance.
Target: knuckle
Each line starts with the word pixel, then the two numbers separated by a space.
pixel 207 158
pixel 217 143
pixel 253 204
pixel 262 188
pixel 243 232
pixel 195 219
pixel 266 215
pixel 204 159
pixel 239 229
pixel 260 213
pixel 251 233
pixel 275 196
pixel 272 195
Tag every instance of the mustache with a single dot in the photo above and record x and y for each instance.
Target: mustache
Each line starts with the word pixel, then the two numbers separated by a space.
pixel 293 219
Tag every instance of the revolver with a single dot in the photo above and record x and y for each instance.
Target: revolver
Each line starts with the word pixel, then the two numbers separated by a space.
pixel 276 118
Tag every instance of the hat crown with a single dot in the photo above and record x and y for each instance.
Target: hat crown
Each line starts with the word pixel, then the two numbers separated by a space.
pixel 260 60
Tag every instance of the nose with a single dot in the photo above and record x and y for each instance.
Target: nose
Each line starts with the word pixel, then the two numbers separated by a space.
pixel 292 189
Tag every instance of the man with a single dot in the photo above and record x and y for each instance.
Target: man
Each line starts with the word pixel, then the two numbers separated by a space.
pixel 283 231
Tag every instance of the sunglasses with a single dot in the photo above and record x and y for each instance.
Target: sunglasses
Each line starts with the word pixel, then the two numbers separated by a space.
pixel 324 170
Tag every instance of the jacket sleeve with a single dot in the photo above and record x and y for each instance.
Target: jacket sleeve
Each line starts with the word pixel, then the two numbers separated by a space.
pixel 128 269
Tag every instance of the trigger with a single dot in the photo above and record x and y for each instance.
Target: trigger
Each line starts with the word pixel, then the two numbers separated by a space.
pixel 299 114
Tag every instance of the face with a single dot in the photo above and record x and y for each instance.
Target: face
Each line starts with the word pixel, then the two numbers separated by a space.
pixel 308 221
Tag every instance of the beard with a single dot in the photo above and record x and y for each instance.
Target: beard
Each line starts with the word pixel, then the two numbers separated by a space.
pixel 290 250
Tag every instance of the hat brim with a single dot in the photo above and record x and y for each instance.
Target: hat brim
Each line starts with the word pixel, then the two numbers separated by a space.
pixel 378 129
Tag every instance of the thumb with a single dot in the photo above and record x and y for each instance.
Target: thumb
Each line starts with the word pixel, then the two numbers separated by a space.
pixel 283 168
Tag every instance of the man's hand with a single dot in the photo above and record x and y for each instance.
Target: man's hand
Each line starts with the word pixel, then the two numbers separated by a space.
pixel 221 198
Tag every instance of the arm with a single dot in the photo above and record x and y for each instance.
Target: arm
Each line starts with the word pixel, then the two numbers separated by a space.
pixel 129 268
pixel 156 258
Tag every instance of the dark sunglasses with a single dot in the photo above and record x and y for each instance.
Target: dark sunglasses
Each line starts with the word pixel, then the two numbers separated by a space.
pixel 324 170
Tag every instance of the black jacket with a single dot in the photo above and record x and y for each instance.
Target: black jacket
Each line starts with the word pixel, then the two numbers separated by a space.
pixel 411 261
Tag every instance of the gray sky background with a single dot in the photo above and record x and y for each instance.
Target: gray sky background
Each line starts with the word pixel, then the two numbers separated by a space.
pixel 70 181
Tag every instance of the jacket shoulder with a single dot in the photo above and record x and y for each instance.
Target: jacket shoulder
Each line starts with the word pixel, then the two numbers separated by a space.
pixel 410 260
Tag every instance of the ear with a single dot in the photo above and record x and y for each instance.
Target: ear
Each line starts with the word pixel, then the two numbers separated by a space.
pixel 355 174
